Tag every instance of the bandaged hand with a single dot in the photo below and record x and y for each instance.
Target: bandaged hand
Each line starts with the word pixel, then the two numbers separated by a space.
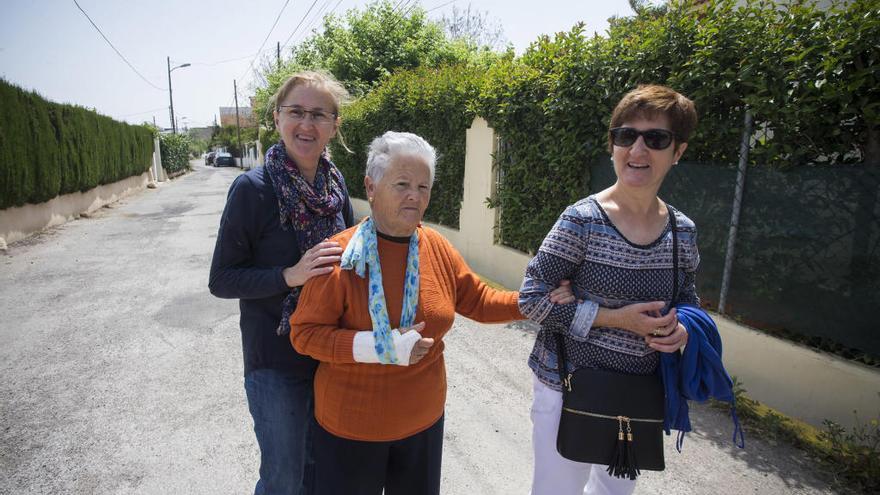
pixel 409 345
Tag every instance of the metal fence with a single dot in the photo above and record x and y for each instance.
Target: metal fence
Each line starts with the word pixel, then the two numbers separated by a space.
pixel 807 255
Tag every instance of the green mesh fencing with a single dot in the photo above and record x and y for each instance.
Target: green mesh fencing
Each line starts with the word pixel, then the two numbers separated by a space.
pixel 807 255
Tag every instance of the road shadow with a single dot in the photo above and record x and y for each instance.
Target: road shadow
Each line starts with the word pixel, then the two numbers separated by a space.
pixel 797 469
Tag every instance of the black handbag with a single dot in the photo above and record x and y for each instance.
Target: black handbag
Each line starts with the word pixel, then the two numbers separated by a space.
pixel 612 418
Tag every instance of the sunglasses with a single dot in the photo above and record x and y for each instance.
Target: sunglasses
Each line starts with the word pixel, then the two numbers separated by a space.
pixel 656 139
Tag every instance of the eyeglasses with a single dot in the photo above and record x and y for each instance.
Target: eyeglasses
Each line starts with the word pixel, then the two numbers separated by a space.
pixel 298 114
pixel 656 139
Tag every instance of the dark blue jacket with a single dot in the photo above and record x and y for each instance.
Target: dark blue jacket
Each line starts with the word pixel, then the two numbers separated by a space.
pixel 251 251
pixel 696 374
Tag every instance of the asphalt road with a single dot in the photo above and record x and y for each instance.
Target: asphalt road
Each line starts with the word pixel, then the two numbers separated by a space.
pixel 123 375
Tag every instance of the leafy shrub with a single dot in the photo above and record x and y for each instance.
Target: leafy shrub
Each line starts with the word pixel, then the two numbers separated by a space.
pixel 267 138
pixel 853 455
pixel 856 453
pixel 363 47
pixel 811 78
pixel 433 103
pixel 175 152
pixel 549 114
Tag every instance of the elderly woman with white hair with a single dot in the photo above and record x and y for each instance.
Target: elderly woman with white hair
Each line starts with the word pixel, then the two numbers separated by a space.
pixel 376 325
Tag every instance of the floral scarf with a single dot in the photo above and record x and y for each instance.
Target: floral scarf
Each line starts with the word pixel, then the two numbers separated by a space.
pixel 361 253
pixel 309 209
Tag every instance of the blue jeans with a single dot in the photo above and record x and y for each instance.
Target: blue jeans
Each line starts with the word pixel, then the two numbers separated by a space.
pixel 282 406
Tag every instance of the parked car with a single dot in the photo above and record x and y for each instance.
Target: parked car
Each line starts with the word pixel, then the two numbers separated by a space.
pixel 209 157
pixel 223 159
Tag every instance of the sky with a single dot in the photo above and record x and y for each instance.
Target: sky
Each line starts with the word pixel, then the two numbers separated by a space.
pixel 51 47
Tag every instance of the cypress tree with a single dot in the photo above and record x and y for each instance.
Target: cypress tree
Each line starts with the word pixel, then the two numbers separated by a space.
pixel 47 149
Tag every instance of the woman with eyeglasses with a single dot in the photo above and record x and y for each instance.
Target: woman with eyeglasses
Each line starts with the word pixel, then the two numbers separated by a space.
pixel 272 239
pixel 616 248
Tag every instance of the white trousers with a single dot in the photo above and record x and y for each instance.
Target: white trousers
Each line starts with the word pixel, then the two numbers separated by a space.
pixel 554 474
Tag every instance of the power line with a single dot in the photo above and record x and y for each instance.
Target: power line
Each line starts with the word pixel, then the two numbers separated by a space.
pixel 210 64
pixel 311 22
pixel 273 25
pixel 397 4
pixel 403 15
pixel 114 48
pixel 411 9
pixel 335 7
pixel 405 6
pixel 141 113
pixel 318 15
pixel 441 6
pixel 277 17
pixel 283 46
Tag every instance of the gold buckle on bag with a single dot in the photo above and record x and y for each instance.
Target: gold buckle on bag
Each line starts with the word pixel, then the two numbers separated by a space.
pixel 624 419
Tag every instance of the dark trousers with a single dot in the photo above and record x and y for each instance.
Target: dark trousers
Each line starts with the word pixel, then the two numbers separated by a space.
pixel 410 466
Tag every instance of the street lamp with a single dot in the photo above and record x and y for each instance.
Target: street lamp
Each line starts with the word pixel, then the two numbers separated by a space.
pixel 170 99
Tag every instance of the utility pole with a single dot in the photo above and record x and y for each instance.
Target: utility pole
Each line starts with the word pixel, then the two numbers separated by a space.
pixel 278 54
pixel 734 213
pixel 170 99
pixel 237 122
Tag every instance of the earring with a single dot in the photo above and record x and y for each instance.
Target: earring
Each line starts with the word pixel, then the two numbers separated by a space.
pixel 370 199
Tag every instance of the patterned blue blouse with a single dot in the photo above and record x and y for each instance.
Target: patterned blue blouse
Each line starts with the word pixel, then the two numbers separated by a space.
pixel 605 270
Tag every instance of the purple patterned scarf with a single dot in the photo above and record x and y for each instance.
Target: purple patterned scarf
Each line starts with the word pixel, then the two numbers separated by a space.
pixel 310 209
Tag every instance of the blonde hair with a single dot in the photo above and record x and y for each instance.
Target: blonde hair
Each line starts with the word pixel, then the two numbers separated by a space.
pixel 321 80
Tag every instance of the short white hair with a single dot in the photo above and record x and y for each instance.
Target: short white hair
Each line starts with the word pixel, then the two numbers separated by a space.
pixel 385 148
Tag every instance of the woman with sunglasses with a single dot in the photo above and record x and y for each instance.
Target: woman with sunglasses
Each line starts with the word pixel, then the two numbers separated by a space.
pixel 616 248
pixel 272 239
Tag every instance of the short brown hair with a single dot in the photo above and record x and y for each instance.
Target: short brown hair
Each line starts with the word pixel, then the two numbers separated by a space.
pixel 651 101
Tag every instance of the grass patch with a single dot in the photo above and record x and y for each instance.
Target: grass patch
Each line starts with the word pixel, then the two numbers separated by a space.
pixel 853 455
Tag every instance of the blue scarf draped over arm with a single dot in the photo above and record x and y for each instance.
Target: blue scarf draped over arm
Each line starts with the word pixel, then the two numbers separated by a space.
pixel 697 374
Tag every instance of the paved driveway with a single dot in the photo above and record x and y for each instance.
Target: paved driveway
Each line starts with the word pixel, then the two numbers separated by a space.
pixel 122 374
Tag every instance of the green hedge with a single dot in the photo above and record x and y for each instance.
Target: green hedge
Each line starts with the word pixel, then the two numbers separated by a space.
pixel 811 78
pixel 48 149
pixel 433 103
pixel 174 149
pixel 550 115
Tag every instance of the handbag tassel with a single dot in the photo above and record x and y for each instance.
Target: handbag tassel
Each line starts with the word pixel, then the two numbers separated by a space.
pixel 623 460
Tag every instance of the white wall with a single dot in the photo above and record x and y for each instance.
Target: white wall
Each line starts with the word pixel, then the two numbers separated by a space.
pixel 19 222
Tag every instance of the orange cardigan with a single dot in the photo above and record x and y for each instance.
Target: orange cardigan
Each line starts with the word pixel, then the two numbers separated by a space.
pixel 380 402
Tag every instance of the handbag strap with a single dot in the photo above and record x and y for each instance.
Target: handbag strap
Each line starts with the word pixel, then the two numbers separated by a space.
pixel 674 227
pixel 560 345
